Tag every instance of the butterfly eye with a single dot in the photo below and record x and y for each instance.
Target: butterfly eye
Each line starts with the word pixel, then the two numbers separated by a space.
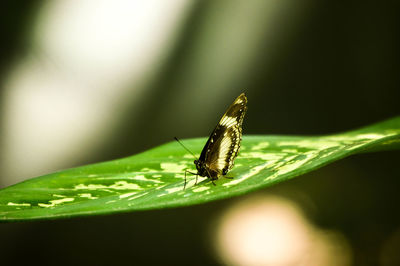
pixel 195 161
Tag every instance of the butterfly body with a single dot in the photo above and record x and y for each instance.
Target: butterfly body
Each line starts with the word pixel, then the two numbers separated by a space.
pixel 222 147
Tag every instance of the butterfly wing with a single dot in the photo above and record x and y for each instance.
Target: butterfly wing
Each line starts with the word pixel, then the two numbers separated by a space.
pixel 223 145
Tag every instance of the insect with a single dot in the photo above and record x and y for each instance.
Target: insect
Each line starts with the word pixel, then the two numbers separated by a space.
pixel 222 147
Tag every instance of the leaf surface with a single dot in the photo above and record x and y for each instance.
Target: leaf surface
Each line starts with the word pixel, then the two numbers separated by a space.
pixel 154 179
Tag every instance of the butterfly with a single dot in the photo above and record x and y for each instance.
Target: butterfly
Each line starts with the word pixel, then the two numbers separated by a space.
pixel 222 147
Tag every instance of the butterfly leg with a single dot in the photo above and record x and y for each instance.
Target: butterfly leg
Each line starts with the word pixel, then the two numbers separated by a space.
pixel 186 171
pixel 229 177
pixel 184 185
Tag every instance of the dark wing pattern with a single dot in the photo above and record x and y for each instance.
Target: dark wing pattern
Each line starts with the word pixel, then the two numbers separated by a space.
pixel 223 145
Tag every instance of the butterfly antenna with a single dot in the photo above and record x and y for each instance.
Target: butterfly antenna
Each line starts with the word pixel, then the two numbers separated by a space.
pixel 185 147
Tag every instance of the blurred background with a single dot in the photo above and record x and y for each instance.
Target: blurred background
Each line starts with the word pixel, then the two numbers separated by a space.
pixel 88 81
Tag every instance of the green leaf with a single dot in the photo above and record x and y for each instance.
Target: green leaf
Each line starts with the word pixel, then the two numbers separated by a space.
pixel 154 179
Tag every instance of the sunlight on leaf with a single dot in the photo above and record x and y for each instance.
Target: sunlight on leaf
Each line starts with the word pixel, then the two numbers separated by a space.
pixel 154 179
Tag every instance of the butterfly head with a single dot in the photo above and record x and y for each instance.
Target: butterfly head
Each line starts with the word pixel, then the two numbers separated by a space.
pixel 198 164
pixel 201 169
